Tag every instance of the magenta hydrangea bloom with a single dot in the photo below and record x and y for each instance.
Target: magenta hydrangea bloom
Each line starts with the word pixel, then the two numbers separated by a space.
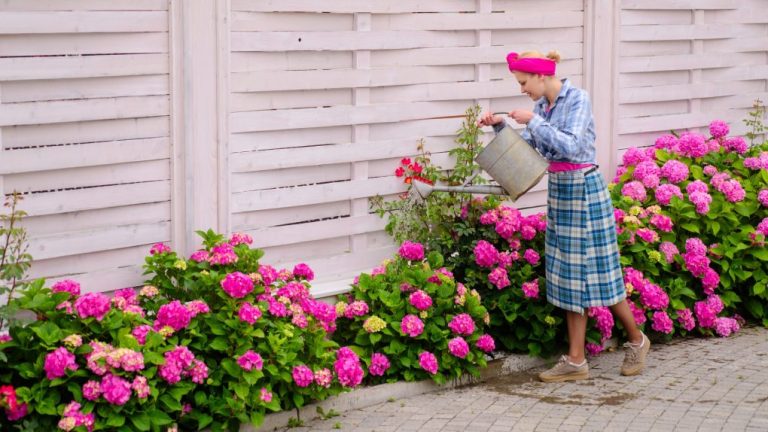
pixel 379 364
pixel 531 289
pixel 356 309
pixel 633 156
pixel 411 325
pixel 736 145
pixel 718 129
pixel 637 312
pixel 347 367
pixel 57 362
pixel 701 200
pixel 662 323
pixel 499 277
pixel 200 256
pixel 140 333
pixel 666 142
pixel 159 248
pixel 428 362
pixel 223 254
pixel 634 190
pixel 462 324
pixel 173 314
pixel 302 271
pixel 95 305
pixel 693 145
pixel 323 377
pixel 240 238
pixel 724 327
pixel 67 285
pixel 648 235
pixel 532 257
pixel 644 169
pixel 420 300
pixel 675 171
pixel 593 349
pixel 141 386
pixel 485 343
pixel 92 390
pixel 237 284
pixel 265 395
pixel 196 307
pixel 302 376
pixel 652 296
pixel 115 390
pixel 178 361
pixel 665 192
pixel 249 313
pixel 486 254
pixel 250 360
pixel 458 347
pixel 685 318
pixel 411 251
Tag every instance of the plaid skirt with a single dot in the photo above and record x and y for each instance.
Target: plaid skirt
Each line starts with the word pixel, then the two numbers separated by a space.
pixel 582 253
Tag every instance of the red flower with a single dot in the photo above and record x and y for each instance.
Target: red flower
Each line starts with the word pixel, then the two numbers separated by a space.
pixel 399 171
pixel 417 168
pixel 408 180
pixel 8 398
pixel 405 161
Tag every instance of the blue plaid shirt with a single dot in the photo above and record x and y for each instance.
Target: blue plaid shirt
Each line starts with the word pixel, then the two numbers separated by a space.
pixel 566 133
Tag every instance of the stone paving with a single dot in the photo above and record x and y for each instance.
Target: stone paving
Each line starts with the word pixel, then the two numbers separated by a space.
pixel 689 385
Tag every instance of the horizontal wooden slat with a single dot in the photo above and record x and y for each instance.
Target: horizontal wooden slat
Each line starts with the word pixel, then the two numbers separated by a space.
pixel 314 194
pixel 90 263
pixel 341 115
pixel 332 154
pixel 84 177
pixel 679 4
pixel 689 91
pixel 85 131
pixel 92 5
pixel 258 101
pixel 90 219
pixel 71 44
pixel 275 139
pixel 290 234
pixel 687 62
pixel 93 109
pixel 352 6
pixel 106 280
pixel 82 22
pixel 463 55
pixel 96 198
pixel 99 239
pixel 479 21
pixel 274 217
pixel 84 88
pixel 35 68
pixel 290 60
pixel 687 32
pixel 656 17
pixel 291 21
pixel 347 78
pixel 670 122
pixel 347 40
pixel 259 180
pixel 83 155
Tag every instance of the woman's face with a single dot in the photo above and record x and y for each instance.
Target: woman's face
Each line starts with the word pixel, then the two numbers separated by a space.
pixel 530 84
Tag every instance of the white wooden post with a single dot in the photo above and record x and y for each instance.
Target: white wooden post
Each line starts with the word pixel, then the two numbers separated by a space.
pixel 199 83
pixel 483 39
pixel 601 76
pixel 697 48
pixel 361 132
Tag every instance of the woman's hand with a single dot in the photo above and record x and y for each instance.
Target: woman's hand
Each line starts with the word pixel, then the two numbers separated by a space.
pixel 521 116
pixel 488 119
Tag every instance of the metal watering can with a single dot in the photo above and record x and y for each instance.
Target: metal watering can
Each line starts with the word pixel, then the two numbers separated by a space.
pixel 508 159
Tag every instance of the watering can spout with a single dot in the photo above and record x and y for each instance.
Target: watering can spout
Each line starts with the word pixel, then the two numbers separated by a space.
pixel 423 190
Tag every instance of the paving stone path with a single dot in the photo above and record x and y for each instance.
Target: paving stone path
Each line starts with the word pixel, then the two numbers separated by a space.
pixel 689 385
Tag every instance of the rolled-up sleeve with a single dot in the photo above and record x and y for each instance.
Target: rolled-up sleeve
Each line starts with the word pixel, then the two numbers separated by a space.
pixel 563 142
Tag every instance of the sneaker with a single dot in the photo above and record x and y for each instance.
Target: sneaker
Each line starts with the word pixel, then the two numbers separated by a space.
pixel 634 359
pixel 564 370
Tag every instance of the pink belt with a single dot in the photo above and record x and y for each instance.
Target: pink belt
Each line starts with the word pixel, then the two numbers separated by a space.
pixel 567 166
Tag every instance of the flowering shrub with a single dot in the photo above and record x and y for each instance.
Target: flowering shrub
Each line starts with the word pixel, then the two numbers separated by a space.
pixel 499 252
pixel 77 365
pixel 262 334
pixel 691 214
pixel 409 319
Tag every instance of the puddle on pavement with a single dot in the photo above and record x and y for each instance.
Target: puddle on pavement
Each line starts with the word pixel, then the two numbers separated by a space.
pixel 526 385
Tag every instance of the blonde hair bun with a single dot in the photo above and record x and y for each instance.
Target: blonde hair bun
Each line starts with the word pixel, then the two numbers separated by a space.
pixel 554 55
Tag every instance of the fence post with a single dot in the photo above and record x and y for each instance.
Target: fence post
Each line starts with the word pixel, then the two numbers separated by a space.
pixel 199 56
pixel 601 76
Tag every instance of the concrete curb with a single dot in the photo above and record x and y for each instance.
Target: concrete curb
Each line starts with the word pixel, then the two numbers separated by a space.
pixel 368 396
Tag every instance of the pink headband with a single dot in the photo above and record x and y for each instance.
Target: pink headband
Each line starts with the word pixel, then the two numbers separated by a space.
pixel 532 65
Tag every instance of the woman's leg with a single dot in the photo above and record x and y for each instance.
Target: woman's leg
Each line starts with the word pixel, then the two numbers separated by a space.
pixel 624 314
pixel 577 333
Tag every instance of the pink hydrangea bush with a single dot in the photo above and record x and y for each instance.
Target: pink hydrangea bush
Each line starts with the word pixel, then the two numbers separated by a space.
pixel 409 319
pixel 694 237
pixel 500 254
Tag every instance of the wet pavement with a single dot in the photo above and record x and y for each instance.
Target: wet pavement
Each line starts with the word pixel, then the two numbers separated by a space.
pixel 692 384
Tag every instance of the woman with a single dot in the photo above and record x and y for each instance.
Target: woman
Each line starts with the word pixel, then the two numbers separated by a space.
pixel 582 256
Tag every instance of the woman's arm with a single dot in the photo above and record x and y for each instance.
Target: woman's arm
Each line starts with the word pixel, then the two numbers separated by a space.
pixel 564 142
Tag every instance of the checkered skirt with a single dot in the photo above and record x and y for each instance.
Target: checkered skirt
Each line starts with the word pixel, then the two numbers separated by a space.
pixel 582 254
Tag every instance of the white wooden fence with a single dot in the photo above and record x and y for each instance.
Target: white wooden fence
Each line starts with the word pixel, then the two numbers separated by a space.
pixel 129 122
